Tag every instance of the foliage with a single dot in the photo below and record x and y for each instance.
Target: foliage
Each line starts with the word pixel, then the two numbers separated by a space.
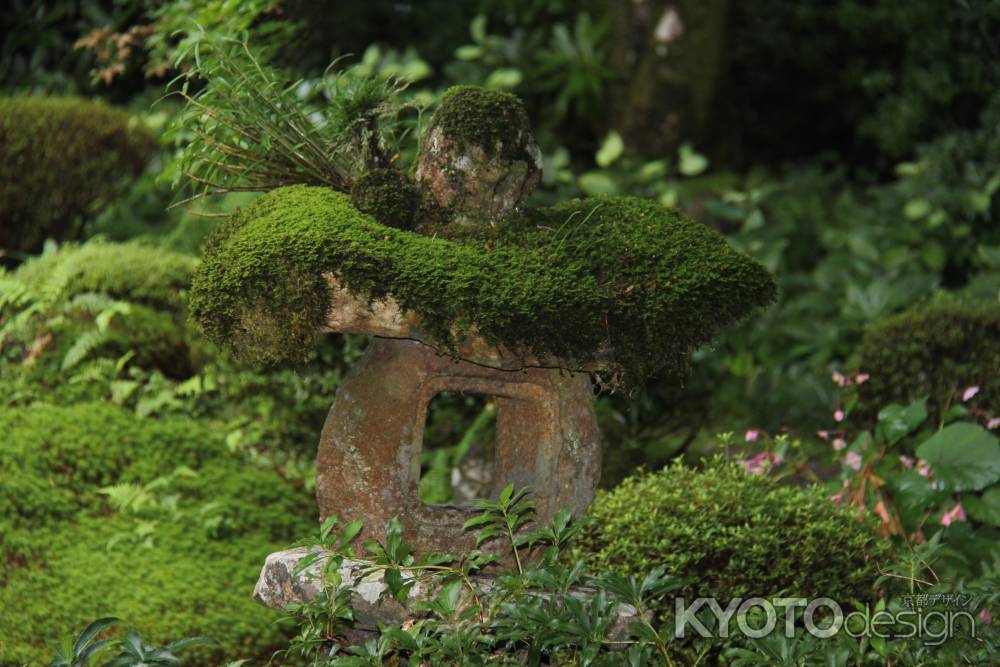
pixel 869 81
pixel 926 477
pixel 99 299
pixel 193 542
pixel 933 351
pixel 560 282
pixel 61 158
pixel 135 652
pixel 249 129
pixel 535 613
pixel 730 534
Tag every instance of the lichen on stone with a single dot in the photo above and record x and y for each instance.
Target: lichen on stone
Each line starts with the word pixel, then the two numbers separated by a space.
pixel 563 282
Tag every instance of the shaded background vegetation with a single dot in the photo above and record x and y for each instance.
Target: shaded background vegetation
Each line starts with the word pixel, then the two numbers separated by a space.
pixel 853 147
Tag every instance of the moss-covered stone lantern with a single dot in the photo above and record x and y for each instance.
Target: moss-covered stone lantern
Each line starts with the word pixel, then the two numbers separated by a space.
pixel 463 288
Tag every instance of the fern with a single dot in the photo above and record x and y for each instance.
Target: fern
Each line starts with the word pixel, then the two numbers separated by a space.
pixel 84 344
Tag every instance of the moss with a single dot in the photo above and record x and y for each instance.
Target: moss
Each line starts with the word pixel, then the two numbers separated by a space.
pixel 67 557
pixel 388 196
pixel 140 273
pixel 934 350
pixel 559 282
pixel 729 534
pixel 489 119
pixel 59 158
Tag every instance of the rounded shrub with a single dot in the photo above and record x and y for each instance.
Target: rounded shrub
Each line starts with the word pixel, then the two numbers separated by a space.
pixel 60 157
pixel 730 534
pixel 934 350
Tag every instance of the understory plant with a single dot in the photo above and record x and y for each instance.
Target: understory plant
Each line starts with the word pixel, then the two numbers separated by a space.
pixel 545 610
pixel 251 127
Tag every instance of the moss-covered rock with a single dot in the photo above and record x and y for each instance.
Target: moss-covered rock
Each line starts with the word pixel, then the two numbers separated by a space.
pixel 935 350
pixel 730 534
pixel 388 196
pixel 557 282
pixel 488 119
pixel 59 157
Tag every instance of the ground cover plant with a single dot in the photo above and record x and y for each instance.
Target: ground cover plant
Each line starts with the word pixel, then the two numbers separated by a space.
pixel 849 148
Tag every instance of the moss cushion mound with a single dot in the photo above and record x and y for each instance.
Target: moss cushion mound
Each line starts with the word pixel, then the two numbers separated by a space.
pixel 616 273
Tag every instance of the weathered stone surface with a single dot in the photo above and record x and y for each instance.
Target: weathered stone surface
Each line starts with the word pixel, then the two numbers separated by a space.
pixel 278 588
pixel 479 187
pixel 385 318
pixel 368 465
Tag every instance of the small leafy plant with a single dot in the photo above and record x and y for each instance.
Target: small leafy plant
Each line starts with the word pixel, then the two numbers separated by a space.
pixel 135 652
pixel 545 611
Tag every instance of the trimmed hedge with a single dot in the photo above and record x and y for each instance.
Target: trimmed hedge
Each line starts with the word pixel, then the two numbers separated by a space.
pixel 559 281
pixel 935 350
pixel 59 157
pixel 730 534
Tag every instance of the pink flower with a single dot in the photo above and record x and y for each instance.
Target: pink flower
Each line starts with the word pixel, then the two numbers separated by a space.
pixel 823 434
pixel 838 415
pixel 861 378
pixel 906 461
pixel 760 463
pixel 837 497
pixel 993 422
pixel 839 444
pixel 969 392
pixel 985 616
pixel 839 378
pixel 752 435
pixel 924 468
pixel 956 513
pixel 853 460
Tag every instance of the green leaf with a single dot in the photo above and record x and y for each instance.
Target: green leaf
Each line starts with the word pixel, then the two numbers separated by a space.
pixel 506 494
pixel 596 183
pixel 917 208
pixel 351 531
pixel 469 52
pixel 504 78
pixel 896 422
pixel 963 456
pixel 689 162
pixel 984 508
pixel 90 632
pixel 610 150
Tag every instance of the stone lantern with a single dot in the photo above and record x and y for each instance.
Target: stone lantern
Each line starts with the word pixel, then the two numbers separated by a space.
pixel 482 296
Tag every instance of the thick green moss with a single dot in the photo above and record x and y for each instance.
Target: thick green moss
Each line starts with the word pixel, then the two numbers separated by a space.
pixel 560 281
pixel 388 196
pixel 132 271
pixel 489 119
pixel 68 557
pixel 730 534
pixel 935 350
pixel 59 157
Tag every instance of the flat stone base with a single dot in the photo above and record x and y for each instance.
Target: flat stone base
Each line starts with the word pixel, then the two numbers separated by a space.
pixel 278 588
